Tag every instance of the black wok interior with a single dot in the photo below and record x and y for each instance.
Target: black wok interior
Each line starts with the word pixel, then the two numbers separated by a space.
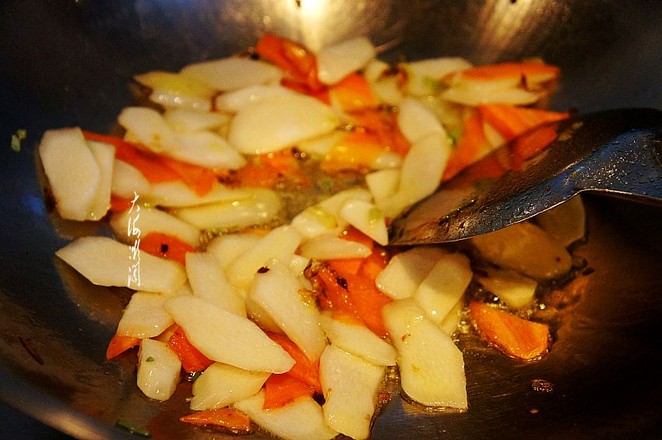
pixel 68 63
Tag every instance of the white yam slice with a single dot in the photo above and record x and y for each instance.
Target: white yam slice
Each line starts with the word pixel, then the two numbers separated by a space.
pixel 127 181
pixel 383 183
pixel 367 218
pixel 251 207
pixel 416 121
pixel 72 172
pixel 107 262
pixel 331 248
pixel 158 370
pixel 320 146
pixel 283 121
pixel 431 365
pixel 444 286
pixel 177 194
pixel 232 73
pixel 187 120
pixel 280 294
pixel 515 289
pixel 358 340
pixel 315 221
pixel 525 248
pixel 334 203
pixel 152 220
pixel 339 60
pixel 301 419
pixel 424 77
pixel 104 154
pixel 221 385
pixel 148 127
pixel 175 90
pixel 474 96
pixel 225 337
pixel 407 270
pixel 144 317
pixel 279 243
pixel 238 99
pixel 226 248
pixel 452 320
pixel 565 223
pixel 388 90
pixel 350 386
pixel 206 149
pixel 208 281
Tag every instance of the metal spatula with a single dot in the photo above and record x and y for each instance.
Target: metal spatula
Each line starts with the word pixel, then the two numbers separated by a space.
pixel 618 152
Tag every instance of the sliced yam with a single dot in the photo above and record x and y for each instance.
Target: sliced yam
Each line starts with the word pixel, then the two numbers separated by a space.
pixel 225 337
pixel 106 262
pixel 251 207
pixel 104 154
pixel 431 366
pixel 525 248
pixel 284 121
pixel 453 319
pixel 514 289
pixel 425 77
pixel 127 181
pixel 145 316
pixel 158 370
pixel 320 146
pixel 350 386
pixel 221 385
pixel 388 90
pixel 280 294
pixel 149 128
pixel 226 248
pixel 177 194
pixel 280 243
pixel 515 336
pixel 206 149
pixel 383 183
pixel 367 218
pixel 334 203
pixel 474 97
pixel 405 271
pixel 227 419
pixel 416 121
pixel 302 419
pixel 565 223
pixel 358 340
pixel 444 286
pixel 187 120
pixel 334 62
pixel 376 69
pixel 232 73
pixel 72 171
pixel 208 281
pixel 333 248
pixel 315 221
pixel 175 90
pixel 152 220
pixel 236 100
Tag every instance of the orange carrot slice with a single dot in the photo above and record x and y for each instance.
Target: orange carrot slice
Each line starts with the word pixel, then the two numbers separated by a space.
pixel 353 93
pixel 119 204
pixel 281 389
pixel 227 418
pixel 513 121
pixel 119 344
pixel 532 71
pixel 191 358
pixel 166 246
pixel 516 337
pixel 303 369
pixel 471 146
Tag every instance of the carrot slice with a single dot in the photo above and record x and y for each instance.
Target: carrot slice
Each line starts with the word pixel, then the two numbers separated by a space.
pixel 267 170
pixel 119 204
pixel 530 144
pixel 281 389
pixel 384 125
pixel 191 358
pixel 353 93
pixel 513 121
pixel 303 369
pixel 516 337
pixel 470 147
pixel 231 419
pixel 359 150
pixel 199 179
pixel 538 72
pixel 119 344
pixel 166 246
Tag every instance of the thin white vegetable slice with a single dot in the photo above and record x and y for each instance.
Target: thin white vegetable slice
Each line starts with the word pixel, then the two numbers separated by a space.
pixel 158 370
pixel 225 337
pixel 104 154
pixel 407 270
pixel 208 281
pixel 149 128
pixel 431 366
pixel 383 183
pixel 232 73
pixel 280 294
pixel 315 221
pixel 474 97
pixel 144 317
pixel 350 386
pixel 565 223
pixel 261 206
pixel 221 385
pixel 416 121
pixel 187 120
pixel 152 220
pixel 72 172
pixel 515 289
pixel 206 149
pixel 367 218
pixel 424 77
pixel 525 248
pixel 444 286
pixel 339 60
pixel 238 99
pixel 226 248
pixel 128 181
pixel 107 262
pixel 331 248
pixel 358 340
pixel 279 243
pixel 283 121
pixel 301 419
pixel 177 194
pixel 175 90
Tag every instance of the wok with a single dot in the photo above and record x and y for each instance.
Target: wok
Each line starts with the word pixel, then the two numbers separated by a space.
pixel 68 62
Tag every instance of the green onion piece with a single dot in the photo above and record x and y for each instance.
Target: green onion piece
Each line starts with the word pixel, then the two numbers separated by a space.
pixel 133 429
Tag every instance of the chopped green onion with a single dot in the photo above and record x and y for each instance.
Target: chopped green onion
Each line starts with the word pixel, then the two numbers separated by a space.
pixel 17 138
pixel 133 429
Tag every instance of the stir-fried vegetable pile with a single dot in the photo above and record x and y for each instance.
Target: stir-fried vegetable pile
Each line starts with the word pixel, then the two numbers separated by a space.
pixel 250 202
